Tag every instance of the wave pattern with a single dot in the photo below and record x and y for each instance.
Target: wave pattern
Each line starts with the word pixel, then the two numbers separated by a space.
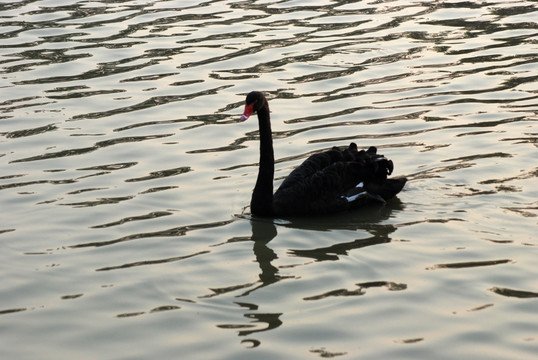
pixel 120 146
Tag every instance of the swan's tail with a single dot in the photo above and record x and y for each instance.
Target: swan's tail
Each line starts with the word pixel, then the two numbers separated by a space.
pixel 387 189
pixel 359 196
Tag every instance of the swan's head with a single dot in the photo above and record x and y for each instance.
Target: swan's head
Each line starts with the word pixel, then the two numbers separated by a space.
pixel 253 102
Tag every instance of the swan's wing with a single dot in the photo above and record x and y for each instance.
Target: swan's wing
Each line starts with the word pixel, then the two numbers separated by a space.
pixel 315 163
pixel 327 190
pixel 337 180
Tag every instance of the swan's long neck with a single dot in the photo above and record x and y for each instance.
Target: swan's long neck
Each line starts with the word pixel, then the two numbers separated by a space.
pixel 262 196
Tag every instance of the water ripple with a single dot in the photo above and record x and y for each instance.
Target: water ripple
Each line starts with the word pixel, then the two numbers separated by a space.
pixel 121 151
pixel 100 144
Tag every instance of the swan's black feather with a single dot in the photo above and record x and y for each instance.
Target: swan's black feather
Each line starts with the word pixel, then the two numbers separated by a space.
pixel 327 183
pixel 331 181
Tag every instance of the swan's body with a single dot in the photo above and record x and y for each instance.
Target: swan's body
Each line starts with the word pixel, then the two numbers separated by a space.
pixel 328 182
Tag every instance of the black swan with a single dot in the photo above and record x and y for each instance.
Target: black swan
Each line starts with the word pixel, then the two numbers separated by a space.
pixel 328 182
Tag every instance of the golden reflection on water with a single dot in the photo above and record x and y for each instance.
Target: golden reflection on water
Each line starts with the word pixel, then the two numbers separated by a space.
pixel 126 177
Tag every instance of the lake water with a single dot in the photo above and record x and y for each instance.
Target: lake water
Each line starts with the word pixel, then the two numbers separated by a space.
pixel 126 176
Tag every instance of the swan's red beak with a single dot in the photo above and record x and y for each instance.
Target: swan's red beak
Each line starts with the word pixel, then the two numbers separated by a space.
pixel 249 109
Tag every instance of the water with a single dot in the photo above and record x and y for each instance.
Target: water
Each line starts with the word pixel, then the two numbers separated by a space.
pixel 126 175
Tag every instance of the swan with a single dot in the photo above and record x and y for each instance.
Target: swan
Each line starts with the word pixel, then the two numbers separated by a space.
pixel 328 182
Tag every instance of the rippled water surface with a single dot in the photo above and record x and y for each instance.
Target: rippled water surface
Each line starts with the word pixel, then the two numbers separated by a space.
pixel 126 177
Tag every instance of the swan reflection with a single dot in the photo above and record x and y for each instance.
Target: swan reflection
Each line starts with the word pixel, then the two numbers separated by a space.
pixel 264 230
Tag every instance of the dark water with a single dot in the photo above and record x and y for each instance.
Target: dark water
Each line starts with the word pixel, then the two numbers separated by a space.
pixel 126 175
